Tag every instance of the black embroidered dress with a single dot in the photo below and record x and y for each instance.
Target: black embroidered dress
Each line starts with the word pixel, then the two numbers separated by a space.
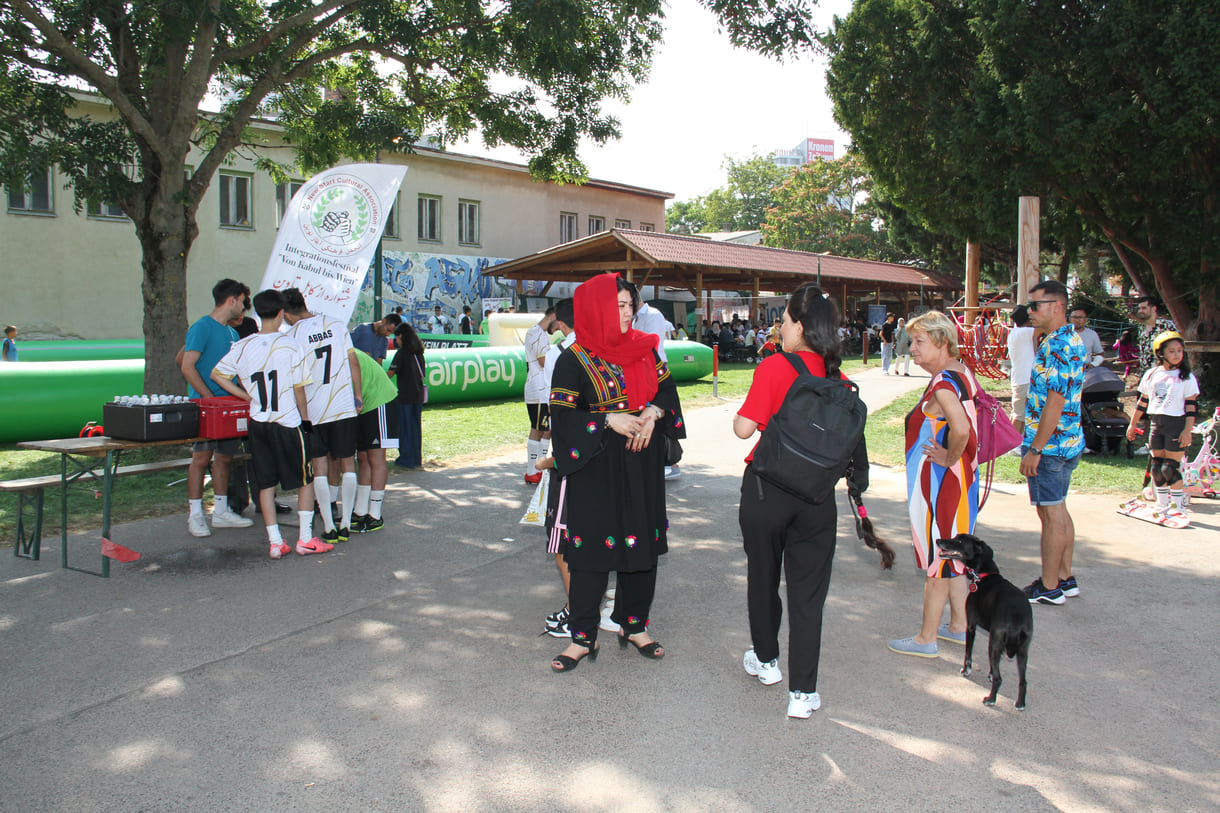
pixel 614 499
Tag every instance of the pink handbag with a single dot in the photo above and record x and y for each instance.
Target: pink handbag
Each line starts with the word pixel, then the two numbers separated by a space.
pixel 997 436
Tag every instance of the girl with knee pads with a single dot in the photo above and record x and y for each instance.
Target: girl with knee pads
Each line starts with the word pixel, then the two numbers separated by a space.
pixel 1169 396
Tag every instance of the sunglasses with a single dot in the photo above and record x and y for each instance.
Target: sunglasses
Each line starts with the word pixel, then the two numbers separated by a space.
pixel 1034 304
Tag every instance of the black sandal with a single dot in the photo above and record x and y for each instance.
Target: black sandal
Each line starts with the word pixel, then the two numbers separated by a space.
pixel 652 650
pixel 567 664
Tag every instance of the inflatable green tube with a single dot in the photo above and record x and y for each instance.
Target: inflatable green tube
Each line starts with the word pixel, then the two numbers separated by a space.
pixel 69 350
pixel 486 373
pixel 54 399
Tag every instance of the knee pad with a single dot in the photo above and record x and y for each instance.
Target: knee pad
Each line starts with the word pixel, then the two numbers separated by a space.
pixel 1171 471
pixel 1158 472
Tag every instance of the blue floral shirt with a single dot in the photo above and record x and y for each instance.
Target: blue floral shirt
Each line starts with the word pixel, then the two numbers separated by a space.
pixel 1058 367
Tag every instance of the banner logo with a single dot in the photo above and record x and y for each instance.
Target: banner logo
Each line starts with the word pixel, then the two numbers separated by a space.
pixel 341 216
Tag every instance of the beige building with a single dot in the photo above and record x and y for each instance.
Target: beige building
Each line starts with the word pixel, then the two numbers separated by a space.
pixel 77 275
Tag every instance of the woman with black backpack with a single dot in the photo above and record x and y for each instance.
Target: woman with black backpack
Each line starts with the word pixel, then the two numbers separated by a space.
pixel 779 528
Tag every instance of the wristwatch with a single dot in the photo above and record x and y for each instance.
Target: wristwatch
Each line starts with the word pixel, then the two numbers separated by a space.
pixel 1034 451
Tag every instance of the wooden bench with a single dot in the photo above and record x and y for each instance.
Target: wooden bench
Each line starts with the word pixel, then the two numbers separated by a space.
pixel 30 497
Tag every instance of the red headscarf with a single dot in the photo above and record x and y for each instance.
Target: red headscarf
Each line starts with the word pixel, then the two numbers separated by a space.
pixel 597 329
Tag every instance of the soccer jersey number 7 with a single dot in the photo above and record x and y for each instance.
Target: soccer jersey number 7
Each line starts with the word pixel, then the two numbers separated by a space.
pixel 326 344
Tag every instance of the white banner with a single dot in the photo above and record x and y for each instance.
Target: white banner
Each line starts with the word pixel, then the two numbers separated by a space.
pixel 329 234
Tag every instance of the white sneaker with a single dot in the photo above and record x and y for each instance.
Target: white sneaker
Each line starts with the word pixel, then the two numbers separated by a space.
pixel 607 623
pixel 768 674
pixel 1143 450
pixel 229 519
pixel 802 705
pixel 198 525
pixel 672 472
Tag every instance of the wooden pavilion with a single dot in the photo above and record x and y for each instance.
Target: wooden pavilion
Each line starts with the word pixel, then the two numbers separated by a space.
pixel 701 266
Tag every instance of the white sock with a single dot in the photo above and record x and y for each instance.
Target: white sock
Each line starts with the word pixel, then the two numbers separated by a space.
pixel 348 489
pixel 375 500
pixel 196 507
pixel 220 504
pixel 306 525
pixel 273 534
pixel 321 490
pixel 532 457
pixel 362 500
pixel 542 449
pixel 1162 496
pixel 1175 498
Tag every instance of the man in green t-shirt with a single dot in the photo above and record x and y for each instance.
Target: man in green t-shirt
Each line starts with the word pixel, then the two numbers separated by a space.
pixel 377 430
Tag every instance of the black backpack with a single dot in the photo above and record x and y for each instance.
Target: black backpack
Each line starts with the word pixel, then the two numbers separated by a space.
pixel 809 442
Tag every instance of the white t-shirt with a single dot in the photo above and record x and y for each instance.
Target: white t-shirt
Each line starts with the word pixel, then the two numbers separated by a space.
pixel 327 347
pixel 1021 355
pixel 1166 392
pixel 537 342
pixel 552 356
pixel 438 324
pixel 269 366
pixel 650 320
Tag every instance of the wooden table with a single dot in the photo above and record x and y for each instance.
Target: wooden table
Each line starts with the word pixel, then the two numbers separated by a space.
pixel 86 455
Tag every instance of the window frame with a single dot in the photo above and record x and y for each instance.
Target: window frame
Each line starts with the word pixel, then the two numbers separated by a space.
pixel 419 218
pixel 621 223
pixel 27 192
pixel 569 221
pixel 282 201
pixel 601 220
pixel 467 205
pixel 230 197
pixel 393 221
pixel 652 227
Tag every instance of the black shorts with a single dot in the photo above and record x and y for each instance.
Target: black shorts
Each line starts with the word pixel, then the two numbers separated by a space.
pixel 378 428
pixel 227 446
pixel 277 455
pixel 1166 429
pixel 540 417
pixel 337 438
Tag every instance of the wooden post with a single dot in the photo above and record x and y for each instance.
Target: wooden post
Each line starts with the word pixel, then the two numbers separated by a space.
pixel 973 263
pixel 1029 247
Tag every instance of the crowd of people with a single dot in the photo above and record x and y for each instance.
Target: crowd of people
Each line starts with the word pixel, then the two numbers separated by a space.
pixel 605 425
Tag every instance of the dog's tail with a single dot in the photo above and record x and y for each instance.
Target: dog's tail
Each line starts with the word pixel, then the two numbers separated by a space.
pixel 864 530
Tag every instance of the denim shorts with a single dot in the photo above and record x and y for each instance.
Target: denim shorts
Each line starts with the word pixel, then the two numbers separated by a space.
pixel 1050 485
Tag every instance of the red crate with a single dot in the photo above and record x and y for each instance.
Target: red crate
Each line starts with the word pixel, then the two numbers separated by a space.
pixel 223 417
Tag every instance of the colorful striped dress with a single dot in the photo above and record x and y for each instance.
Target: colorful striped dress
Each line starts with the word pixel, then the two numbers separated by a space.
pixel 944 502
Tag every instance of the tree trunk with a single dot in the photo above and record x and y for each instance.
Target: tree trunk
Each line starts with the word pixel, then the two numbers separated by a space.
pixel 166 231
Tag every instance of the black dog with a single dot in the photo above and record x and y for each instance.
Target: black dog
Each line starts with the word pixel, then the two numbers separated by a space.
pixel 996 605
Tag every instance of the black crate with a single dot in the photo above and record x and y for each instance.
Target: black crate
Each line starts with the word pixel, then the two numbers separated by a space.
pixel 152 422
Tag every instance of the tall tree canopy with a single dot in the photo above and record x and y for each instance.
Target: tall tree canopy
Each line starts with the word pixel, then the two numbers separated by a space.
pixel 1106 109
pixel 527 73
pixel 739 205
pixel 826 205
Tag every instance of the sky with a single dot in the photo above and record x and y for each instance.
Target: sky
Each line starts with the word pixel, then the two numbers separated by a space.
pixel 705 100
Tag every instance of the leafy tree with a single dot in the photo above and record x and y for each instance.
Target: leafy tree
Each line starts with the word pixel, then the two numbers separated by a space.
pixel 528 73
pixel 825 206
pixel 1105 110
pixel 739 205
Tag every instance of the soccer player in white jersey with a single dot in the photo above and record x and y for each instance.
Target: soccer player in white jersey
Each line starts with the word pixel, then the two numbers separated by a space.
pixel 272 369
pixel 537 394
pixel 334 403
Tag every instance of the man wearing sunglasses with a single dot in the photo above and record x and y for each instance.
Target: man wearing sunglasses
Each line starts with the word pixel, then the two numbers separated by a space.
pixel 1053 439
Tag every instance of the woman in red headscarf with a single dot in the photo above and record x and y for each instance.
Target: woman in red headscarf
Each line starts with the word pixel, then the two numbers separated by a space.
pixel 611 398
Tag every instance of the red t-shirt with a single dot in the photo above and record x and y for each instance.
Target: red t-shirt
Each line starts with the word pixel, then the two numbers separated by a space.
pixel 772 379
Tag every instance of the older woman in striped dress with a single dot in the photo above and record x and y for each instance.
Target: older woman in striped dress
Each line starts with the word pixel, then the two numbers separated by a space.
pixel 942 478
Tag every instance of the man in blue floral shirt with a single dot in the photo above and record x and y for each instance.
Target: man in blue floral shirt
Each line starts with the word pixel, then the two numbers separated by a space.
pixel 1053 440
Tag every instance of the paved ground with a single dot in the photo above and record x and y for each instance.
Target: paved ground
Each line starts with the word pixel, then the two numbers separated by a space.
pixel 405 671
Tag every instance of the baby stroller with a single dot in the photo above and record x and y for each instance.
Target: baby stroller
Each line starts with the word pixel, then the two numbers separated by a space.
pixel 1101 415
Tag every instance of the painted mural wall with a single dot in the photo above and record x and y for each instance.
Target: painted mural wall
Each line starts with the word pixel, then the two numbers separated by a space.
pixel 419 282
